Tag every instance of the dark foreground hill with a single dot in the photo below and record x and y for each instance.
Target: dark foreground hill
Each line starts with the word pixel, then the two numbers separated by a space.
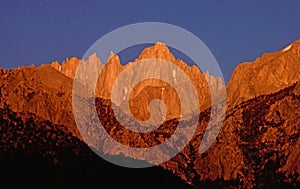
pixel 34 153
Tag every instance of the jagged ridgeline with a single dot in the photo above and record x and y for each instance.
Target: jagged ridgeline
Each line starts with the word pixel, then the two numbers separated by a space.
pixel 258 145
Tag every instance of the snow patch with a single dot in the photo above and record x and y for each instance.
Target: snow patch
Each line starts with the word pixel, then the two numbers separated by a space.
pixel 174 75
pixel 125 91
pixel 286 48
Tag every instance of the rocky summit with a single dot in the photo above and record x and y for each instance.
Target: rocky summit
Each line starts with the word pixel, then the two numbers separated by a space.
pixel 258 145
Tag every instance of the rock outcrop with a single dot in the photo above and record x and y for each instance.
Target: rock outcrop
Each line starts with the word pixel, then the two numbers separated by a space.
pixel 267 74
pixel 67 67
pixel 146 91
pixel 42 91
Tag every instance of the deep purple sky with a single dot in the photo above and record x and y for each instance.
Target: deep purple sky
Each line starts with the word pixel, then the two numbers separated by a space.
pixel 36 32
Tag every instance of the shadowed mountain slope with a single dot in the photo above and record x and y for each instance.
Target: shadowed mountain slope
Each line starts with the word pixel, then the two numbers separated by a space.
pixel 35 153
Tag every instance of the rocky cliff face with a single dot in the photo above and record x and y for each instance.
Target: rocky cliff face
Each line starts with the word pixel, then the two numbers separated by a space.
pixel 147 90
pixel 67 67
pixel 258 145
pixel 42 91
pixel 267 74
pixel 46 90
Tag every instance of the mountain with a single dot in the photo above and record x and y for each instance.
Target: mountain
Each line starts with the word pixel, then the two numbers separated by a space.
pixel 42 91
pixel 266 74
pixel 112 69
pixel 257 147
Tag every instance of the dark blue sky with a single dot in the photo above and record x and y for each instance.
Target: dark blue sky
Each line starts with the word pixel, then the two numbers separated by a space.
pixel 36 32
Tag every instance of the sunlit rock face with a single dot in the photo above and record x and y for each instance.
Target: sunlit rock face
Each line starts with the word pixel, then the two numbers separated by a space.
pixel 266 74
pixel 258 145
pixel 151 89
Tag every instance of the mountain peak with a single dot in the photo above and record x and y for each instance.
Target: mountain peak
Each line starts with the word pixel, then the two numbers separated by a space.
pixel 113 59
pixel 111 54
pixel 159 50
pixel 94 58
pixel 68 67
pixel 161 45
